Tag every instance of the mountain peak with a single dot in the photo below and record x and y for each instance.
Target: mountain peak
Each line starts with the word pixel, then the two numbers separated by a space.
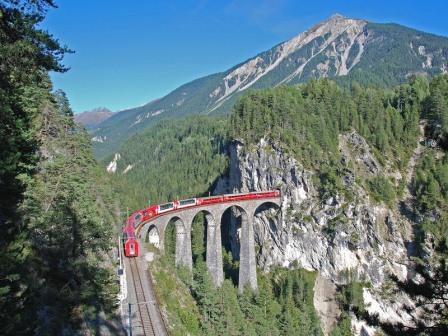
pixel 337 31
pixel 334 20
pixel 100 109
pixel 338 16
pixel 338 46
pixel 93 117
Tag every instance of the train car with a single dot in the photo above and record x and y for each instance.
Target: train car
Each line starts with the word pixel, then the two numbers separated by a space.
pixel 210 200
pixel 185 203
pixel 130 242
pixel 131 248
pixel 149 212
pixel 165 207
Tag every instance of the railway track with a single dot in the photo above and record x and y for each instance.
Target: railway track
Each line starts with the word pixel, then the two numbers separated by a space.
pixel 142 303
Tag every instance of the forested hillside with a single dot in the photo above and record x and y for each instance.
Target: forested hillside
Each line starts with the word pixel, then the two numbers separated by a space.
pixel 56 207
pixel 283 304
pixel 307 121
pixel 182 159
pixel 366 174
pixel 175 159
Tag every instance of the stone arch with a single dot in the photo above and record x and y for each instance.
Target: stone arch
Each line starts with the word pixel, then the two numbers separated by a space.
pixel 240 210
pixel 267 224
pixel 247 273
pixel 183 245
pixel 212 239
pixel 152 235
pixel 231 223
pixel 270 211
pixel 201 234
pixel 266 205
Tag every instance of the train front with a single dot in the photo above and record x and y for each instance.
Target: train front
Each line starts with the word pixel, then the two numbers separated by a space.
pixel 130 243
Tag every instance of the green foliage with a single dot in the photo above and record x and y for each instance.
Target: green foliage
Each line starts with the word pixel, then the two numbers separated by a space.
pixel 68 215
pixel 65 223
pixel 294 289
pixel 183 315
pixel 198 238
pixel 283 304
pixel 173 160
pixel 170 242
pixel 382 189
pixel 352 296
pixel 430 186
pixel 55 209
pixel 300 118
pixel 231 266
pixel 344 327
pixel 307 121
pixel 436 110
pixel 430 183
pixel 330 180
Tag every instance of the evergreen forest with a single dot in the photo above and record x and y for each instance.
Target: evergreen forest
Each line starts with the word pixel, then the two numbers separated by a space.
pixel 60 212
pixel 57 207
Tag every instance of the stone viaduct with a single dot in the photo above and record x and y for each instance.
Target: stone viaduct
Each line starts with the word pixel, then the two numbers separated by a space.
pixel 183 219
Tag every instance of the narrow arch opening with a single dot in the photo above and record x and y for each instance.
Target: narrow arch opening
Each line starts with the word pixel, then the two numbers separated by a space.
pixel 153 237
pixel 174 227
pixel 199 240
pixel 267 225
pixel 231 223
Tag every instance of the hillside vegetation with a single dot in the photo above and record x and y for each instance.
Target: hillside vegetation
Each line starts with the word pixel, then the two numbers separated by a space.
pixel 174 160
pixel 55 214
pixel 183 159
pixel 283 304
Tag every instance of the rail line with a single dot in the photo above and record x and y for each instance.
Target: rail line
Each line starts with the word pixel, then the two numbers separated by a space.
pixel 158 304
pixel 142 304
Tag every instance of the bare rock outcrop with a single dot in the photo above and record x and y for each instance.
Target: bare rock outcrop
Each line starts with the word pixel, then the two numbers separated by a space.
pixel 336 236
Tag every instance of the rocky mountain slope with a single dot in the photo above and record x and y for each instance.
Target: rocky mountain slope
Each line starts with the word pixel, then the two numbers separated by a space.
pixel 343 239
pixel 339 47
pixel 94 117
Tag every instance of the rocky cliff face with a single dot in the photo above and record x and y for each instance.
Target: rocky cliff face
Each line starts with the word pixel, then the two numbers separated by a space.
pixel 332 40
pixel 341 237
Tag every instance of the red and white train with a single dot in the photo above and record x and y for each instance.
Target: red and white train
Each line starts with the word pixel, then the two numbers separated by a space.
pixel 131 247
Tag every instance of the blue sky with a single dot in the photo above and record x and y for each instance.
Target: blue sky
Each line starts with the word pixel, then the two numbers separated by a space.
pixel 128 53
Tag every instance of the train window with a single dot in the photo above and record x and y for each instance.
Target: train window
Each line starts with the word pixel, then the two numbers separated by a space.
pixel 166 206
pixel 131 249
pixel 138 218
pixel 187 202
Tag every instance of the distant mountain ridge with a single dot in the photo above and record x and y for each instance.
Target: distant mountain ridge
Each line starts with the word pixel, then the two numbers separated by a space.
pixel 342 48
pixel 93 117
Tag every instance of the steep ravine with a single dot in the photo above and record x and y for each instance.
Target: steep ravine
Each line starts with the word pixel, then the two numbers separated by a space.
pixel 337 237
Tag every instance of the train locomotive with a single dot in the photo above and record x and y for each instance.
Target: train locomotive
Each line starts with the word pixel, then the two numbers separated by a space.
pixel 130 242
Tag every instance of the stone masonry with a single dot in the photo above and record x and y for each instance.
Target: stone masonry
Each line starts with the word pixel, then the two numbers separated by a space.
pixel 183 219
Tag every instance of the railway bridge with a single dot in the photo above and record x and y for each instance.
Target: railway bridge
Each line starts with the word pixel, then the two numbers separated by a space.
pixel 183 219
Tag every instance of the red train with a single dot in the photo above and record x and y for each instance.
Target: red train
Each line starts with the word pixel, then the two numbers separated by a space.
pixel 131 248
